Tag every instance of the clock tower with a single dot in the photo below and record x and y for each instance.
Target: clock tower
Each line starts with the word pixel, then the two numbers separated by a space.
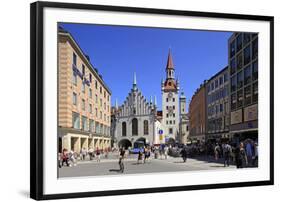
pixel 170 102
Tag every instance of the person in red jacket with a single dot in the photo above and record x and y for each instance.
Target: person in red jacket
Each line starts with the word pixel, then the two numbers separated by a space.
pixel 64 157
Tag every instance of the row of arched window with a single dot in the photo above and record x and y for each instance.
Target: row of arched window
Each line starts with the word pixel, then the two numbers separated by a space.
pixel 135 127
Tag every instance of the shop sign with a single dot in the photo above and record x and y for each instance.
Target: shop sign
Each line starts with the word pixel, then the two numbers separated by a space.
pixel 236 117
pixel 251 113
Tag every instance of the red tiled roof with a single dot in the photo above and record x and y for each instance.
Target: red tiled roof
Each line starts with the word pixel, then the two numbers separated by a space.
pixel 170 84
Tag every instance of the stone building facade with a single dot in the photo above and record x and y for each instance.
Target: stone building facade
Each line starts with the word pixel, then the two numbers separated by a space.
pixel 197 114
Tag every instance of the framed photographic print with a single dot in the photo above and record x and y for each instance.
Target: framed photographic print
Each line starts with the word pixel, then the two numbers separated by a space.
pixel 136 100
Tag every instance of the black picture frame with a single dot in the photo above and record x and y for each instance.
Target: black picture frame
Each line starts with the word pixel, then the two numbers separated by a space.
pixel 37 99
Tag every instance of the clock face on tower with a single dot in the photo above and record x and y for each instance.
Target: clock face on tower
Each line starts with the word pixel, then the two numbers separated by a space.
pixel 170 95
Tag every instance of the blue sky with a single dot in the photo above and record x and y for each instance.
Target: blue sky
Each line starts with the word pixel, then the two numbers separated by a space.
pixel 119 51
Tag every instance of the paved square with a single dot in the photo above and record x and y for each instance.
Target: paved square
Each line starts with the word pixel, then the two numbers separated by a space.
pixel 111 167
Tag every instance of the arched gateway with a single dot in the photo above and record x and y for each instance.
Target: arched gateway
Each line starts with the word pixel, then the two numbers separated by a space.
pixel 142 139
pixel 124 143
pixel 171 141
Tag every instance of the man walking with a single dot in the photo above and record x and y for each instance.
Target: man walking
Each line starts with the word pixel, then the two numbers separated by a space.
pixel 249 152
pixel 227 152
pixel 184 154
pixel 146 154
pixel 256 154
pixel 91 153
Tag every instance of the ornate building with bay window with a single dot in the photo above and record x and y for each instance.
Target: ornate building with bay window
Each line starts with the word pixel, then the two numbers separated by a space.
pixel 83 99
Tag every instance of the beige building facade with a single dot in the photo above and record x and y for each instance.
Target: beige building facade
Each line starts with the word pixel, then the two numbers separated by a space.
pixel 83 100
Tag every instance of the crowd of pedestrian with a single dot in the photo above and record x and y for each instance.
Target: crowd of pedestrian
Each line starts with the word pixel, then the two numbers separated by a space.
pixel 144 155
pixel 242 154
pixel 70 158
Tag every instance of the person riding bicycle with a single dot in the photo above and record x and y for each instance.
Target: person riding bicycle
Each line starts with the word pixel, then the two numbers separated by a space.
pixel 121 159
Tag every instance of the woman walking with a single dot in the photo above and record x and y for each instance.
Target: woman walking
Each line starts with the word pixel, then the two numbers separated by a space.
pixel 240 156
pixel 217 151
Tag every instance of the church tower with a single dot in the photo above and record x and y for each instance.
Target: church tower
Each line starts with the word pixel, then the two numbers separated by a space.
pixel 170 102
